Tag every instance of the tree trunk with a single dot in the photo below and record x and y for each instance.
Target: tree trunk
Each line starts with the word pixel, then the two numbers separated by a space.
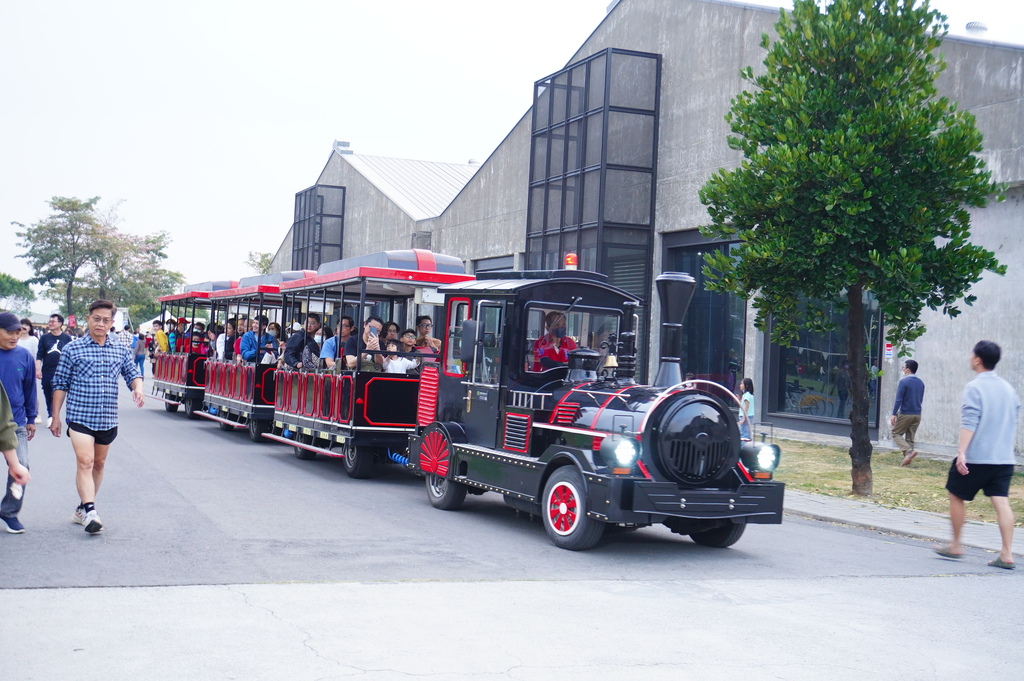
pixel 860 448
pixel 67 297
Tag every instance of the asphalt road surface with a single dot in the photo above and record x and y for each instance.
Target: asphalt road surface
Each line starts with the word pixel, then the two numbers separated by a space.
pixel 224 559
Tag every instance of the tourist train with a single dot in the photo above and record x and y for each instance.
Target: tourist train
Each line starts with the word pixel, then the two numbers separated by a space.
pixel 531 394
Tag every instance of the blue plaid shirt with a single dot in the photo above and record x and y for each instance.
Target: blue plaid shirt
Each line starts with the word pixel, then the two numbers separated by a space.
pixel 88 374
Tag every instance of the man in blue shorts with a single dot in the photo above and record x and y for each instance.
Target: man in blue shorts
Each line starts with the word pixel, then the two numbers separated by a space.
pixel 985 459
pixel 87 375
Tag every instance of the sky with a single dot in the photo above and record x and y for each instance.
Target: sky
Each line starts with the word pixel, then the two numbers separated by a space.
pixel 204 118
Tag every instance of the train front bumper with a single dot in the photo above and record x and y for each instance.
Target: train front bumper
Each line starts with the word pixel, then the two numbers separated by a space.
pixel 636 501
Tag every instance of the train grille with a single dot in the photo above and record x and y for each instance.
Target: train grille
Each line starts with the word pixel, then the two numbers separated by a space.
pixel 517 432
pixel 696 461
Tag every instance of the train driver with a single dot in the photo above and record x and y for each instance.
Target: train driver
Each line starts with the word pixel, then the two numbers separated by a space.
pixel 552 349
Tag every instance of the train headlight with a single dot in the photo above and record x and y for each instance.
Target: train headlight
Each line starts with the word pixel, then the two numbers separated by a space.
pixel 760 456
pixel 619 451
pixel 767 457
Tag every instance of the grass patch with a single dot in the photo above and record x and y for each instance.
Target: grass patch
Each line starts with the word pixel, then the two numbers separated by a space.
pixel 822 469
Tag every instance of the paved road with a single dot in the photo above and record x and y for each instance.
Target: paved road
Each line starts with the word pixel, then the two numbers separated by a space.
pixel 228 560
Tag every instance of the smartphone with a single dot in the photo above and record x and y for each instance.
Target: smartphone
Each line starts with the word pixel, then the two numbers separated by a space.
pixel 373 330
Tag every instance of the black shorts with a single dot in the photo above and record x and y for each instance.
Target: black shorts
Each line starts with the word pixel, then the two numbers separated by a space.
pixel 104 437
pixel 993 479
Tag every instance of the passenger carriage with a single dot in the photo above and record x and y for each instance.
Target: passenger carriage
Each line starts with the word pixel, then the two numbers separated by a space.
pixel 179 377
pixel 240 395
pixel 364 417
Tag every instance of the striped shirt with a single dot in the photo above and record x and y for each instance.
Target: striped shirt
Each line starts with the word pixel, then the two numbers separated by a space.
pixel 88 373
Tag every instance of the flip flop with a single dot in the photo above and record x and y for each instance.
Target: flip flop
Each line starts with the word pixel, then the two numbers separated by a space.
pixel 1000 563
pixel 946 553
pixel 909 457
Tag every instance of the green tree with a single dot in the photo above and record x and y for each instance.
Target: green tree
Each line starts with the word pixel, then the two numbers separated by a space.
pixel 82 255
pixel 15 295
pixel 259 262
pixel 856 176
pixel 62 245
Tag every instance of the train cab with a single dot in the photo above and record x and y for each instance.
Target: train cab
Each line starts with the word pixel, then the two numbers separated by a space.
pixel 534 398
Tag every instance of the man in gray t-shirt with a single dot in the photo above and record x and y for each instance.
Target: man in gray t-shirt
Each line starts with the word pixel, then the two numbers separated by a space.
pixel 985 458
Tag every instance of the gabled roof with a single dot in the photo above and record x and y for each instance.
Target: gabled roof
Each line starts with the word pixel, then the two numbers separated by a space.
pixel 423 189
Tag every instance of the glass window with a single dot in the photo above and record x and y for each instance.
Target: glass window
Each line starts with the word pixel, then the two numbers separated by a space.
pixel 458 311
pixel 576 90
pixel 551 335
pixel 812 376
pixel 487 353
pixel 628 197
pixel 536 221
pixel 627 267
pixel 541 105
pixel 595 139
pixel 630 139
pixel 559 98
pixel 634 81
pixel 595 88
pixel 540 157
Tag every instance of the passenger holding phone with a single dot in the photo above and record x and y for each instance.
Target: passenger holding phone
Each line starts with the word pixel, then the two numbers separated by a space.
pixel 356 347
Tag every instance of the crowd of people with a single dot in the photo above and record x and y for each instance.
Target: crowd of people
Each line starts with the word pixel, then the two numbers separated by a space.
pixel 383 346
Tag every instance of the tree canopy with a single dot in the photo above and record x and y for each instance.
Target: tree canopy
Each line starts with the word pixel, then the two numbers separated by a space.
pixel 80 254
pixel 15 295
pixel 856 176
pixel 259 262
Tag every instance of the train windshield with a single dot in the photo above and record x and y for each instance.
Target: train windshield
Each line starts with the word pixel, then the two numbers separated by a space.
pixel 551 334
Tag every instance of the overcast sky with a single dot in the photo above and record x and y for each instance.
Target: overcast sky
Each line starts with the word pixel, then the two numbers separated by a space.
pixel 205 117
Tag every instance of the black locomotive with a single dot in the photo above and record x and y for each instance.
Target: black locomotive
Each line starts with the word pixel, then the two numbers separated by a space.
pixel 580 443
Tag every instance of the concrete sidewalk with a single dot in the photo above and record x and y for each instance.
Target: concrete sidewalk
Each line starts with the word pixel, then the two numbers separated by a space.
pixel 905 521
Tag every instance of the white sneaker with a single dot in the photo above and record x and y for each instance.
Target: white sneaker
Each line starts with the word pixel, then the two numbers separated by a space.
pixel 79 516
pixel 92 522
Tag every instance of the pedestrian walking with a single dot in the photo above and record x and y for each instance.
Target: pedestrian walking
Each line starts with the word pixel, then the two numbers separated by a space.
pixel 906 411
pixel 51 345
pixel 747 409
pixel 984 462
pixel 17 474
pixel 18 377
pixel 87 376
pixel 139 347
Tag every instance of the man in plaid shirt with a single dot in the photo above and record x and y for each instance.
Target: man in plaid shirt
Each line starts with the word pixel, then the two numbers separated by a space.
pixel 87 376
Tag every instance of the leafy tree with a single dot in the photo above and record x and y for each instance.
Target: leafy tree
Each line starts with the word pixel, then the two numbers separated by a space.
pixel 82 255
pixel 856 177
pixel 260 262
pixel 15 295
pixel 60 246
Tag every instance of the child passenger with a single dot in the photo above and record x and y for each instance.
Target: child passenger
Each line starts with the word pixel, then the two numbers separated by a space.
pixel 394 364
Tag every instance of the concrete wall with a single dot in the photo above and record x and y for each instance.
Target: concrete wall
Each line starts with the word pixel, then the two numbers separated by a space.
pixel 488 217
pixel 986 79
pixel 943 351
pixel 373 222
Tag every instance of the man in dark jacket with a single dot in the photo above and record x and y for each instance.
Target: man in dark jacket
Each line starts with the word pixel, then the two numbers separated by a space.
pixel 906 411
pixel 301 340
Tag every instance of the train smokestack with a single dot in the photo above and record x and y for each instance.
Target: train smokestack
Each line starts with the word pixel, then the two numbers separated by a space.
pixel 675 291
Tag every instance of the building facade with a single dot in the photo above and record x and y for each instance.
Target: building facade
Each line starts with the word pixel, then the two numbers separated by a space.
pixel 607 163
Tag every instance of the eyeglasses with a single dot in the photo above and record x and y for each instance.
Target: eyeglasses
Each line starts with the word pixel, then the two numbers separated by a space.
pixel 101 320
pixel 426 325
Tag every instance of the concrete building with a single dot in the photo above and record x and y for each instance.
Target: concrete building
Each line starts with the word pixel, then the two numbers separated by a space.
pixel 608 162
